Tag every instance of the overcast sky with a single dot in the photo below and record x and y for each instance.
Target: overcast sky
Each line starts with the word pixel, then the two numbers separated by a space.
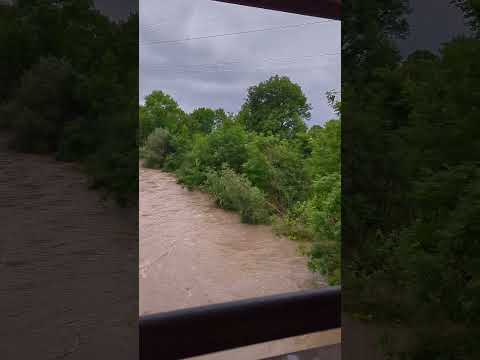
pixel 432 23
pixel 216 72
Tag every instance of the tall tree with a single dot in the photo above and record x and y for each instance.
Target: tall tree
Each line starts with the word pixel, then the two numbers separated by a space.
pixel 276 106
pixel 160 110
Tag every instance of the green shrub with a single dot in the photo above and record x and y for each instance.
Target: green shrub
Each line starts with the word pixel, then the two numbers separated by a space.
pixel 32 132
pixel 7 113
pixel 295 224
pixel 191 171
pixel 325 219
pixel 277 168
pixel 43 102
pixel 318 220
pixel 232 191
pixel 325 259
pixel 179 146
pixel 75 99
pixel 113 164
pixel 191 176
pixel 156 148
pixel 226 145
pixel 76 141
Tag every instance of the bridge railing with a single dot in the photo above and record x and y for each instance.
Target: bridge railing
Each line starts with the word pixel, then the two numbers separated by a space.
pixel 202 330
pixel 330 9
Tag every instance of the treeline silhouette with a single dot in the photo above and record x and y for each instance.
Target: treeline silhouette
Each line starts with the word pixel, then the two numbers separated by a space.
pixel 70 87
pixel 411 171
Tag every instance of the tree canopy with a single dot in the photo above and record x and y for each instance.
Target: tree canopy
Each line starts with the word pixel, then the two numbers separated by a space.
pixel 276 106
pixel 70 87
pixel 410 186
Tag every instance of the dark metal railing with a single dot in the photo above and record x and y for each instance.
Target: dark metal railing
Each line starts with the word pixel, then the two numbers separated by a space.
pixel 330 9
pixel 207 329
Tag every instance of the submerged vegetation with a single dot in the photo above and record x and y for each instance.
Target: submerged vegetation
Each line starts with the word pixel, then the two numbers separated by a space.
pixel 264 162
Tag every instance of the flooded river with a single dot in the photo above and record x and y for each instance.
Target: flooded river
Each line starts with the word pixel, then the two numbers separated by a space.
pixel 192 253
pixel 68 264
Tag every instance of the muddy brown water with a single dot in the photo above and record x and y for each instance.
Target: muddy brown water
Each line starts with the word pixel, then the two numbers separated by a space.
pixel 68 264
pixel 66 258
pixel 193 253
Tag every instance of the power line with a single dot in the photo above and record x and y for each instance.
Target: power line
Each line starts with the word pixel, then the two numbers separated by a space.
pixel 251 70
pixel 158 25
pixel 284 66
pixel 280 60
pixel 235 33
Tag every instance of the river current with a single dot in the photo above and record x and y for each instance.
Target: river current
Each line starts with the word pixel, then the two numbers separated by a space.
pixel 193 253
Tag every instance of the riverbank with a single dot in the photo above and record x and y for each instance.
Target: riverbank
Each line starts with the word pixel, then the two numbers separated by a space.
pixel 192 253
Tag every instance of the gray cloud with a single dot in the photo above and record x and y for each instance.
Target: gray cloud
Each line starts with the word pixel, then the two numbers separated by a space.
pixel 216 72
pixel 117 9
pixel 432 23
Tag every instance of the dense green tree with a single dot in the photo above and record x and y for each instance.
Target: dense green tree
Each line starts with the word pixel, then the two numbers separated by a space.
pixel 195 152
pixel 227 145
pixel 410 249
pixel 277 168
pixel 69 86
pixel 325 143
pixel 205 120
pixel 276 106
pixel 324 216
pixel 317 219
pixel 43 102
pixel 233 191
pixel 156 149
pixel 202 120
pixel 471 11
pixel 160 110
